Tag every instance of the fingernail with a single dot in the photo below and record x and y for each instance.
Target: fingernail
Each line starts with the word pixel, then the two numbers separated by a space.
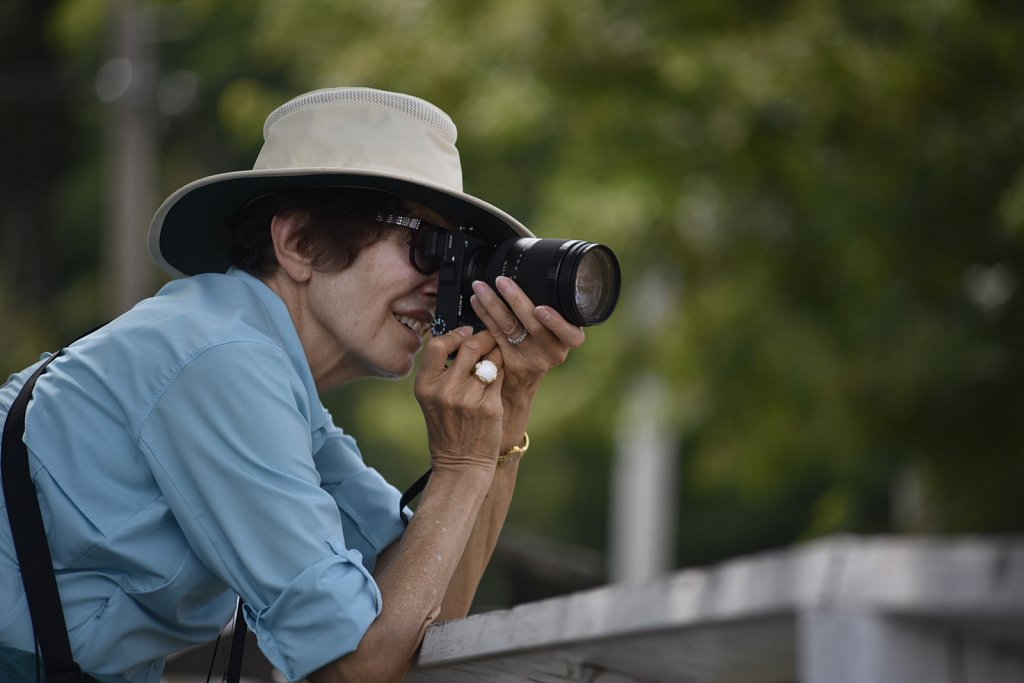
pixel 479 287
pixel 504 283
pixel 464 331
pixel 542 312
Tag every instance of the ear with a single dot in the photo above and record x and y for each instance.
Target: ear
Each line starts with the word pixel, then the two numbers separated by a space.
pixel 284 231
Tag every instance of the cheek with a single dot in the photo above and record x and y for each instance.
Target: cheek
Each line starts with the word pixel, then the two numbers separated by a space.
pixel 389 277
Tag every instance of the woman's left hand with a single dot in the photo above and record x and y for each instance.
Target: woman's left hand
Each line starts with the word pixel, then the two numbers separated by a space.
pixel 526 357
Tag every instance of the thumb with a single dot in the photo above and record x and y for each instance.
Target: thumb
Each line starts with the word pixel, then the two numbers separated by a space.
pixel 435 357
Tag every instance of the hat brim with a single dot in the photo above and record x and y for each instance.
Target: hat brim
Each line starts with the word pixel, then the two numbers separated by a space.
pixel 190 232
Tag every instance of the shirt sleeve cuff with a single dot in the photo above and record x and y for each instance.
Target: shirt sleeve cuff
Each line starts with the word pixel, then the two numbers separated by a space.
pixel 318 617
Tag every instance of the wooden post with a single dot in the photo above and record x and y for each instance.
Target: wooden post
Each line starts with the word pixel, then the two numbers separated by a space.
pixel 643 505
pixel 127 83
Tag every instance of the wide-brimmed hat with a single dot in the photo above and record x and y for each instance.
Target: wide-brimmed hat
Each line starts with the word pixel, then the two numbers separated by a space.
pixel 337 137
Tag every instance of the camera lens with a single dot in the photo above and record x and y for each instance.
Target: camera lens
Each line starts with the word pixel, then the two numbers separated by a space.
pixel 593 284
pixel 578 279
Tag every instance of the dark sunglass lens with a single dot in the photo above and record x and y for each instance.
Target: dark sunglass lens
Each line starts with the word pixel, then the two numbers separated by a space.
pixel 427 265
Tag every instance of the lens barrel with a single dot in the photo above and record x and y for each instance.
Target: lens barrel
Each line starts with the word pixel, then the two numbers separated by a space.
pixel 581 280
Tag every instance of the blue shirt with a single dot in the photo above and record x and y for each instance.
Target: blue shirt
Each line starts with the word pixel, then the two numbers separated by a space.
pixel 181 455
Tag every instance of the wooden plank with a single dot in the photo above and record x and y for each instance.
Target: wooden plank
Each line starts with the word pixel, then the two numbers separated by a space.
pixel 759 651
pixel 746 620
pixel 933 576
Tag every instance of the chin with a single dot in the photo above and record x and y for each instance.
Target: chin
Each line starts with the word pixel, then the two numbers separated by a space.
pixel 396 371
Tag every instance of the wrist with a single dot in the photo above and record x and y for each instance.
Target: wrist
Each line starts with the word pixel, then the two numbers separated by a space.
pixel 514 393
pixel 513 425
pixel 467 480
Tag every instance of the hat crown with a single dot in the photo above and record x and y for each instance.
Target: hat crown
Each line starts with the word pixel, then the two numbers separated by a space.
pixel 363 129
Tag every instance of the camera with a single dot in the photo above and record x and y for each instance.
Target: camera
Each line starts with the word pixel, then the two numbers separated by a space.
pixel 580 280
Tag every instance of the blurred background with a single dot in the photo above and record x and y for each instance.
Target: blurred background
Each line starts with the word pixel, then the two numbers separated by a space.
pixel 818 206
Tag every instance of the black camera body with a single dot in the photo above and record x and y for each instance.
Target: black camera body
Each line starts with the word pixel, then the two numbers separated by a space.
pixel 580 280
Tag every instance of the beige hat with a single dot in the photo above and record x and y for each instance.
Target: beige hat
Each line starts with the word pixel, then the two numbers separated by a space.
pixel 338 137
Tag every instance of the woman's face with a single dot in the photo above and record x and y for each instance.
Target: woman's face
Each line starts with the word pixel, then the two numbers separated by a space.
pixel 370 318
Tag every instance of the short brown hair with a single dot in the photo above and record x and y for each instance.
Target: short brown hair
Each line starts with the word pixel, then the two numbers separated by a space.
pixel 340 222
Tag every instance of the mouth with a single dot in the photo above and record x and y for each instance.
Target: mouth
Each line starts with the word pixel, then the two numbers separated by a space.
pixel 419 327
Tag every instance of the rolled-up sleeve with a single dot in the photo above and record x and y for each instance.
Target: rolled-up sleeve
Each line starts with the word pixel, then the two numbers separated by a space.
pixel 327 606
pixel 230 444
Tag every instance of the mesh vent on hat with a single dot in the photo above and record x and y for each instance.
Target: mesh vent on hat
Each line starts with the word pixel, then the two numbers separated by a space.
pixel 413 106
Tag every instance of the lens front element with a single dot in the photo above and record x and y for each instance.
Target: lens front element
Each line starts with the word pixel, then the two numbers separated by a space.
pixel 596 286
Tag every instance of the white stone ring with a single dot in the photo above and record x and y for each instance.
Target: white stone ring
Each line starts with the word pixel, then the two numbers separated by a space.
pixel 486 371
pixel 519 338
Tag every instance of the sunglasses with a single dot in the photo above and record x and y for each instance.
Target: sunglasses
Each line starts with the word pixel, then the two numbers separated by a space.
pixel 428 264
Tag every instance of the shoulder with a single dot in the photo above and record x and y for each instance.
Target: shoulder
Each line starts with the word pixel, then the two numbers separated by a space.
pixel 202 311
pixel 185 319
pixel 195 333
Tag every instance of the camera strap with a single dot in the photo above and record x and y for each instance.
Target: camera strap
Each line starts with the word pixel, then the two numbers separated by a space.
pixel 34 558
pixel 30 544
pixel 410 493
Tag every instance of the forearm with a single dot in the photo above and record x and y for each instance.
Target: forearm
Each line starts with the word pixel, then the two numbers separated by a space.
pixel 415 579
pixel 462 588
pixel 491 519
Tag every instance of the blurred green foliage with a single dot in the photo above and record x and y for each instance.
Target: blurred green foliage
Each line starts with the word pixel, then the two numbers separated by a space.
pixel 818 205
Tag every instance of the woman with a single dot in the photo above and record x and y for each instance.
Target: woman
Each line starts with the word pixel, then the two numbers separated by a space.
pixel 181 454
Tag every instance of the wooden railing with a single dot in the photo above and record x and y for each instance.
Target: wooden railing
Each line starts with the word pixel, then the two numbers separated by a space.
pixel 838 610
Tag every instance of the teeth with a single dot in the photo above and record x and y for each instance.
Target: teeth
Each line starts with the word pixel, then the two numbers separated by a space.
pixel 416 326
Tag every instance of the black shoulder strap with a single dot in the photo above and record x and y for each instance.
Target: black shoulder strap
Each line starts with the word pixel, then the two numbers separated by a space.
pixel 31 546
pixel 411 492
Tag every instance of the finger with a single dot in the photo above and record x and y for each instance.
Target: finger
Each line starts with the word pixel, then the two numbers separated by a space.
pixel 435 356
pixel 569 334
pixel 500 319
pixel 542 322
pixel 526 311
pixel 471 351
pixel 516 328
pixel 487 319
pixel 521 305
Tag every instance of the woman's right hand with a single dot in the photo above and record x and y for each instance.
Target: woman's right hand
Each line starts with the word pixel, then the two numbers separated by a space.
pixel 463 415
